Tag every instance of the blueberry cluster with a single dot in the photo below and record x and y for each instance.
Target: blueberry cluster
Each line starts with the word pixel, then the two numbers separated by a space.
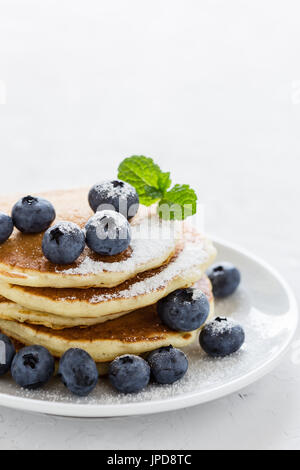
pixel 188 310
pixel 107 233
pixel 131 374
pixel 33 367
pixel 183 310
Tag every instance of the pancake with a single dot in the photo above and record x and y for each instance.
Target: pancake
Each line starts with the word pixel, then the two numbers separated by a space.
pixel 191 259
pixel 22 261
pixel 138 332
pixel 11 311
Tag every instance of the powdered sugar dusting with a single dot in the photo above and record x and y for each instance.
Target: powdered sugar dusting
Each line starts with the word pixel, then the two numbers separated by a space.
pixel 219 326
pixel 268 330
pixel 192 257
pixel 116 217
pixel 197 294
pixel 151 239
pixel 65 227
pixel 110 189
pixel 204 374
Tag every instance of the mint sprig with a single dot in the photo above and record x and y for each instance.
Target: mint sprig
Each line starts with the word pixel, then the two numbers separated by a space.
pixel 152 186
pixel 178 203
pixel 146 177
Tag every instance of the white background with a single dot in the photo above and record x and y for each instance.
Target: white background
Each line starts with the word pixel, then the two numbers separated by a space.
pixel 211 90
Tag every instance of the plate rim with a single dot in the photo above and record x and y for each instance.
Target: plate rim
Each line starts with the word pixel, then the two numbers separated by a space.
pixel 75 410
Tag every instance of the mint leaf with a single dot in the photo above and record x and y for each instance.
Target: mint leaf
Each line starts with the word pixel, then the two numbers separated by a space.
pixel 178 203
pixel 152 186
pixel 146 177
pixel 164 181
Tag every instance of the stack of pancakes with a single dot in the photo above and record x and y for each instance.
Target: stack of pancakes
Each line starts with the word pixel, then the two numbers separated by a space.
pixel 105 305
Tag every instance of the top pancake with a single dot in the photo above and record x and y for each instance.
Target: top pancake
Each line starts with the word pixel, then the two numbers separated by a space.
pixel 192 257
pixel 22 261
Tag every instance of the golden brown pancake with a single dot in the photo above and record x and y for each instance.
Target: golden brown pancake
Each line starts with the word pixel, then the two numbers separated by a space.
pixel 11 311
pixel 182 270
pixel 22 261
pixel 136 333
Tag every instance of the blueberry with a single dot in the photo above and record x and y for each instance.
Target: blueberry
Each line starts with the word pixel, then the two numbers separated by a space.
pixel 32 367
pixel 6 227
pixel 129 374
pixel 222 337
pixel 8 352
pixel 167 365
pixel 225 279
pixel 78 372
pixel 33 214
pixel 184 309
pixel 114 195
pixel 63 243
pixel 108 233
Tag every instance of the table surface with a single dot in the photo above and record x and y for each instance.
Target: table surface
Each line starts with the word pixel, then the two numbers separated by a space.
pixel 211 90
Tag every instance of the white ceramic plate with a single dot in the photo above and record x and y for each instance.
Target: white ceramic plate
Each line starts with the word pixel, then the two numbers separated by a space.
pixel 264 305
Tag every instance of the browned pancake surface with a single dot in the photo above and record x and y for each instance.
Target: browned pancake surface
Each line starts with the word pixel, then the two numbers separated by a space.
pixel 25 251
pixel 141 325
pixel 87 294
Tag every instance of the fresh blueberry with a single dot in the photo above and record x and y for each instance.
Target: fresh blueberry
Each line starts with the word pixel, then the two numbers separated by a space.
pixel 63 243
pixel 184 309
pixel 167 365
pixel 33 214
pixel 222 337
pixel 32 367
pixel 225 279
pixel 6 227
pixel 8 352
pixel 129 374
pixel 78 372
pixel 114 195
pixel 108 233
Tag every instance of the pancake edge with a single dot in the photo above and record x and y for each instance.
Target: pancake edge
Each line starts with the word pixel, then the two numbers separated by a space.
pixel 84 309
pixel 105 350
